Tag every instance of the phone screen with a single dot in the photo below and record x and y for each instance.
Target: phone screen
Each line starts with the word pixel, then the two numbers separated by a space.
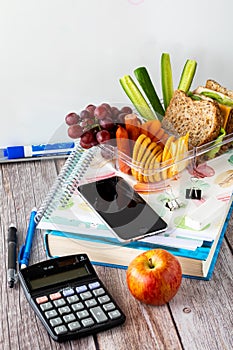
pixel 122 208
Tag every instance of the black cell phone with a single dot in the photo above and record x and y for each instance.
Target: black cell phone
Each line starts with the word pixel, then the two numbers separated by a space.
pixel 123 210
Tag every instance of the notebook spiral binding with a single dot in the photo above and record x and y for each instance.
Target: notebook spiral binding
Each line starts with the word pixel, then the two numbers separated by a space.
pixel 76 177
pixel 64 186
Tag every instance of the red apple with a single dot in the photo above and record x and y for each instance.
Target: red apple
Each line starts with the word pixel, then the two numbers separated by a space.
pixel 154 277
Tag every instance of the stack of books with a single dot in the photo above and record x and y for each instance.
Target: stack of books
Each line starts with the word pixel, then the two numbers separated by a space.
pixel 195 228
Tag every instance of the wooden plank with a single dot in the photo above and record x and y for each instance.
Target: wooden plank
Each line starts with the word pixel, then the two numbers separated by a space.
pixel 202 310
pixel 150 326
pixel 23 186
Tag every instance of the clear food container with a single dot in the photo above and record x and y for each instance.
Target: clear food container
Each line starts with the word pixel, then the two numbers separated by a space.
pixel 150 170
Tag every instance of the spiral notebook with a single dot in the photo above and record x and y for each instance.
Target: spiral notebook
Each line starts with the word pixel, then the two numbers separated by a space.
pixel 63 208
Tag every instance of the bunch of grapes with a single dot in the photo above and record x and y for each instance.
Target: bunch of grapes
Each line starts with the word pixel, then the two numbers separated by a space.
pixel 96 124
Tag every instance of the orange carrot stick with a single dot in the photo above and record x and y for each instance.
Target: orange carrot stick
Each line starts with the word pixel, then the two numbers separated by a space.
pixel 154 127
pixel 145 127
pixel 123 146
pixel 132 126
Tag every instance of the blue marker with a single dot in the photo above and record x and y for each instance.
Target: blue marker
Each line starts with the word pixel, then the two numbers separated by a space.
pixel 42 150
pixel 24 254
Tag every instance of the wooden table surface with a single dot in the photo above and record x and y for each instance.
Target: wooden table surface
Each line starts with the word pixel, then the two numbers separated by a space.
pixel 199 317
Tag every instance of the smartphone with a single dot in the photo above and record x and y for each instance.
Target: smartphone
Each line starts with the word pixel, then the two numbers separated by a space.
pixel 122 209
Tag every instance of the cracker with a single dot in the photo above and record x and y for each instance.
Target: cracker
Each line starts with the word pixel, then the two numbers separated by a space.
pixel 156 165
pixel 148 164
pixel 143 161
pixel 136 149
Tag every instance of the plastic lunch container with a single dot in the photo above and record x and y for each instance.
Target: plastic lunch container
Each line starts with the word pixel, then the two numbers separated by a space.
pixel 151 171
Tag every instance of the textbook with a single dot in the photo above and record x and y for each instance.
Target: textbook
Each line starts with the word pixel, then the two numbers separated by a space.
pixel 198 263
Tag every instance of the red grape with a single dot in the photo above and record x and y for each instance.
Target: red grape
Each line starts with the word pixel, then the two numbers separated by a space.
pixel 72 118
pixel 75 131
pixel 85 145
pixel 84 114
pixel 107 123
pixel 121 118
pixel 88 137
pixel 107 106
pixel 103 136
pixel 115 111
pixel 126 110
pixel 91 109
pixel 85 123
pixel 101 112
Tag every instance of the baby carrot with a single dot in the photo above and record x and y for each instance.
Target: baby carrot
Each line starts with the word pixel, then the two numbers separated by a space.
pixel 123 146
pixel 132 126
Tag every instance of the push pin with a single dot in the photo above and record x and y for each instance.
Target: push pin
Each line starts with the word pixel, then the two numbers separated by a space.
pixel 194 192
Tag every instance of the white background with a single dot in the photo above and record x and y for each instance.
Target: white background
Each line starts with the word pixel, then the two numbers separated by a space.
pixel 57 56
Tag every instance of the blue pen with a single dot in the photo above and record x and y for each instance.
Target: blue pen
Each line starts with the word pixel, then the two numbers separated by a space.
pixel 42 150
pixel 24 254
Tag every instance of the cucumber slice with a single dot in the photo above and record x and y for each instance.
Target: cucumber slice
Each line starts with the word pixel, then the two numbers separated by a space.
pixel 193 96
pixel 166 79
pixel 144 80
pixel 136 97
pixel 224 100
pixel 187 75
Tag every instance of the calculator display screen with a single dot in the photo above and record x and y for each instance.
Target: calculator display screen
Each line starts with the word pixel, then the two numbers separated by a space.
pixel 58 277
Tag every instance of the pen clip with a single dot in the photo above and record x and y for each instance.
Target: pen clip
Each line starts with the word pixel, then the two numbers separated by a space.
pixel 21 254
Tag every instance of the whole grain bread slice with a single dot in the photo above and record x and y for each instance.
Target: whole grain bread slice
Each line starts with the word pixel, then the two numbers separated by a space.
pixel 214 85
pixel 202 119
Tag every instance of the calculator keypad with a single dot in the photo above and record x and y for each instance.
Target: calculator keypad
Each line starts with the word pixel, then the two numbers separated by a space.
pixel 77 308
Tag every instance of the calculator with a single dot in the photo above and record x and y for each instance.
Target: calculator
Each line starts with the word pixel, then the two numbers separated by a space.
pixel 69 298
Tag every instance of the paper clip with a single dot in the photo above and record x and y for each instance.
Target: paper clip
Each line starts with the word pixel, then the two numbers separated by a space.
pixel 194 192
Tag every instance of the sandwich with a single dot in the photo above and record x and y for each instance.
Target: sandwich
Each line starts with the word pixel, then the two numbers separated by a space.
pixel 224 97
pixel 204 113
pixel 201 118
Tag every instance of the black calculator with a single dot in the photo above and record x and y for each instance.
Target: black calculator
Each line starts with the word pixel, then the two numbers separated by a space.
pixel 69 298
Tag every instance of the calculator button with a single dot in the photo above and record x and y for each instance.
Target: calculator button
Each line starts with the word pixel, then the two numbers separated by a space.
pixel 99 291
pixel 90 302
pixel 109 307
pixel 85 295
pixel 72 299
pixel 81 289
pixel 114 314
pixel 61 329
pixel 94 285
pixel 67 292
pixel 69 318
pixel 98 314
pixel 51 313
pixel 59 302
pixel 56 321
pixel 64 310
pixel 41 300
pixel 46 306
pixel 82 314
pixel 78 306
pixel 104 299
pixel 87 322
pixel 55 296
pixel 73 326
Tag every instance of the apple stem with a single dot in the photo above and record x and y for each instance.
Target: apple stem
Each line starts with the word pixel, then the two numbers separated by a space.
pixel 150 264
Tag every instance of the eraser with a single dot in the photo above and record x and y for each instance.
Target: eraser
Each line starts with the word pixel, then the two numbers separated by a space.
pixel 203 214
